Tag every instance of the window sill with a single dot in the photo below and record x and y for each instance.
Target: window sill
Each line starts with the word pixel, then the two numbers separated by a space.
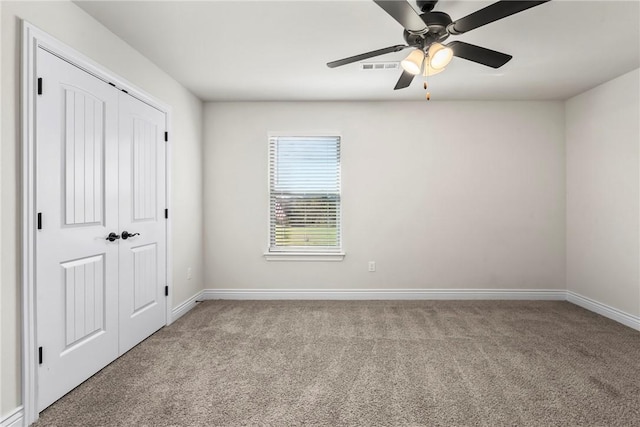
pixel 304 256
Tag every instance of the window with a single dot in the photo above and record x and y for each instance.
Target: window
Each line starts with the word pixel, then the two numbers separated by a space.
pixel 304 190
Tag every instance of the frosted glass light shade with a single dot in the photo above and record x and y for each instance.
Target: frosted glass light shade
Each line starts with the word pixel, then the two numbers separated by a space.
pixel 413 63
pixel 439 56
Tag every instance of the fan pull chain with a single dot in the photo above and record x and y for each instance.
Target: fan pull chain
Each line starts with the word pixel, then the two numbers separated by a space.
pixel 426 77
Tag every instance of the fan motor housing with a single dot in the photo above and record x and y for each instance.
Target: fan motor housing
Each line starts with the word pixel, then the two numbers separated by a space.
pixel 437 23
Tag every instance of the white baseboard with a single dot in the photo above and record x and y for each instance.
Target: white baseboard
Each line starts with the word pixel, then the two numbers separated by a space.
pixel 383 294
pixel 604 310
pixel 14 419
pixel 185 306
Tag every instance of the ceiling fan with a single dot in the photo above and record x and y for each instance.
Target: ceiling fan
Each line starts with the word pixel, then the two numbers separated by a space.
pixel 426 32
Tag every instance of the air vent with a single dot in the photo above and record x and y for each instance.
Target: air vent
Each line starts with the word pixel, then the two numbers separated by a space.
pixel 379 66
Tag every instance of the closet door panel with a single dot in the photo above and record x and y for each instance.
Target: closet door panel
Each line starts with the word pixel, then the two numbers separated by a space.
pixel 142 203
pixel 77 200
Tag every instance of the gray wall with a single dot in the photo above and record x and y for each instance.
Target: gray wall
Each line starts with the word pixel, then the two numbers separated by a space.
pixel 440 195
pixel 603 189
pixel 74 27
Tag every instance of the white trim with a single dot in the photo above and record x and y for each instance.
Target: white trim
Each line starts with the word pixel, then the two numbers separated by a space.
pixel 304 256
pixel 54 46
pixel 604 310
pixel 383 294
pixel 185 306
pixel 305 134
pixel 169 221
pixel 32 39
pixel 14 419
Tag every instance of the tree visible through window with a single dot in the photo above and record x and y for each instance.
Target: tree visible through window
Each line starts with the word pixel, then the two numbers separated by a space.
pixel 304 187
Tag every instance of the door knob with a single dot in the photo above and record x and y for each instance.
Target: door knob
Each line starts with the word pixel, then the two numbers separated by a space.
pixel 113 237
pixel 126 235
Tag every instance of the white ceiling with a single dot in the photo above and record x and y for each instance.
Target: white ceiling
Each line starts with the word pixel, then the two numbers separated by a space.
pixel 277 50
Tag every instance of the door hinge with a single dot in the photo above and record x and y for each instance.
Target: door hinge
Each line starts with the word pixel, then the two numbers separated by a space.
pixel 166 291
pixel 39 355
pixel 166 213
pixel 39 220
pixel 39 85
pixel 166 136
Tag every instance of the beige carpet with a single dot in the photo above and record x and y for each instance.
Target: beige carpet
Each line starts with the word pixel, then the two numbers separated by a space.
pixel 370 363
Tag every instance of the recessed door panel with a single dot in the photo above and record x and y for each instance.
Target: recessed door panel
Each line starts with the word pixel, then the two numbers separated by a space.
pixel 84 298
pixel 83 156
pixel 145 178
pixel 145 277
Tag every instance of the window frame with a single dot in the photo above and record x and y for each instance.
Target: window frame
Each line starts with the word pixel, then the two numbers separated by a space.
pixel 304 253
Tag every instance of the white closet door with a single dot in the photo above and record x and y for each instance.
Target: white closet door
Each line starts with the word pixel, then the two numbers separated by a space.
pixel 142 204
pixel 77 196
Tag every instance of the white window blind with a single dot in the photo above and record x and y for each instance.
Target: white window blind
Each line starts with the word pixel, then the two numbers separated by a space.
pixel 304 187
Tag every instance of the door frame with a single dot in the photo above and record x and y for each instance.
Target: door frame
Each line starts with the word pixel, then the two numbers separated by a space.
pixel 32 39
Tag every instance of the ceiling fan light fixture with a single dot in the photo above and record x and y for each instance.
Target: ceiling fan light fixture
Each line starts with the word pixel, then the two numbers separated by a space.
pixel 439 56
pixel 413 63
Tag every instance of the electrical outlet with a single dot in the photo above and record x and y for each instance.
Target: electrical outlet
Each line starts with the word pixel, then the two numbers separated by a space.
pixel 189 273
pixel 372 266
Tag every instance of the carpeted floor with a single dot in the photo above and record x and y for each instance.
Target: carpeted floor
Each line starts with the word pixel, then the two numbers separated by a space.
pixel 369 363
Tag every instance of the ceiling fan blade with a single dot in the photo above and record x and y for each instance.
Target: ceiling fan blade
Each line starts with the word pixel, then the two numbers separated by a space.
pixel 478 54
pixel 491 13
pixel 404 80
pixel 402 12
pixel 367 55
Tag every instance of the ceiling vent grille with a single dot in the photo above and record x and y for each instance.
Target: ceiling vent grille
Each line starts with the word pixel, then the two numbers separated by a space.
pixel 379 66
